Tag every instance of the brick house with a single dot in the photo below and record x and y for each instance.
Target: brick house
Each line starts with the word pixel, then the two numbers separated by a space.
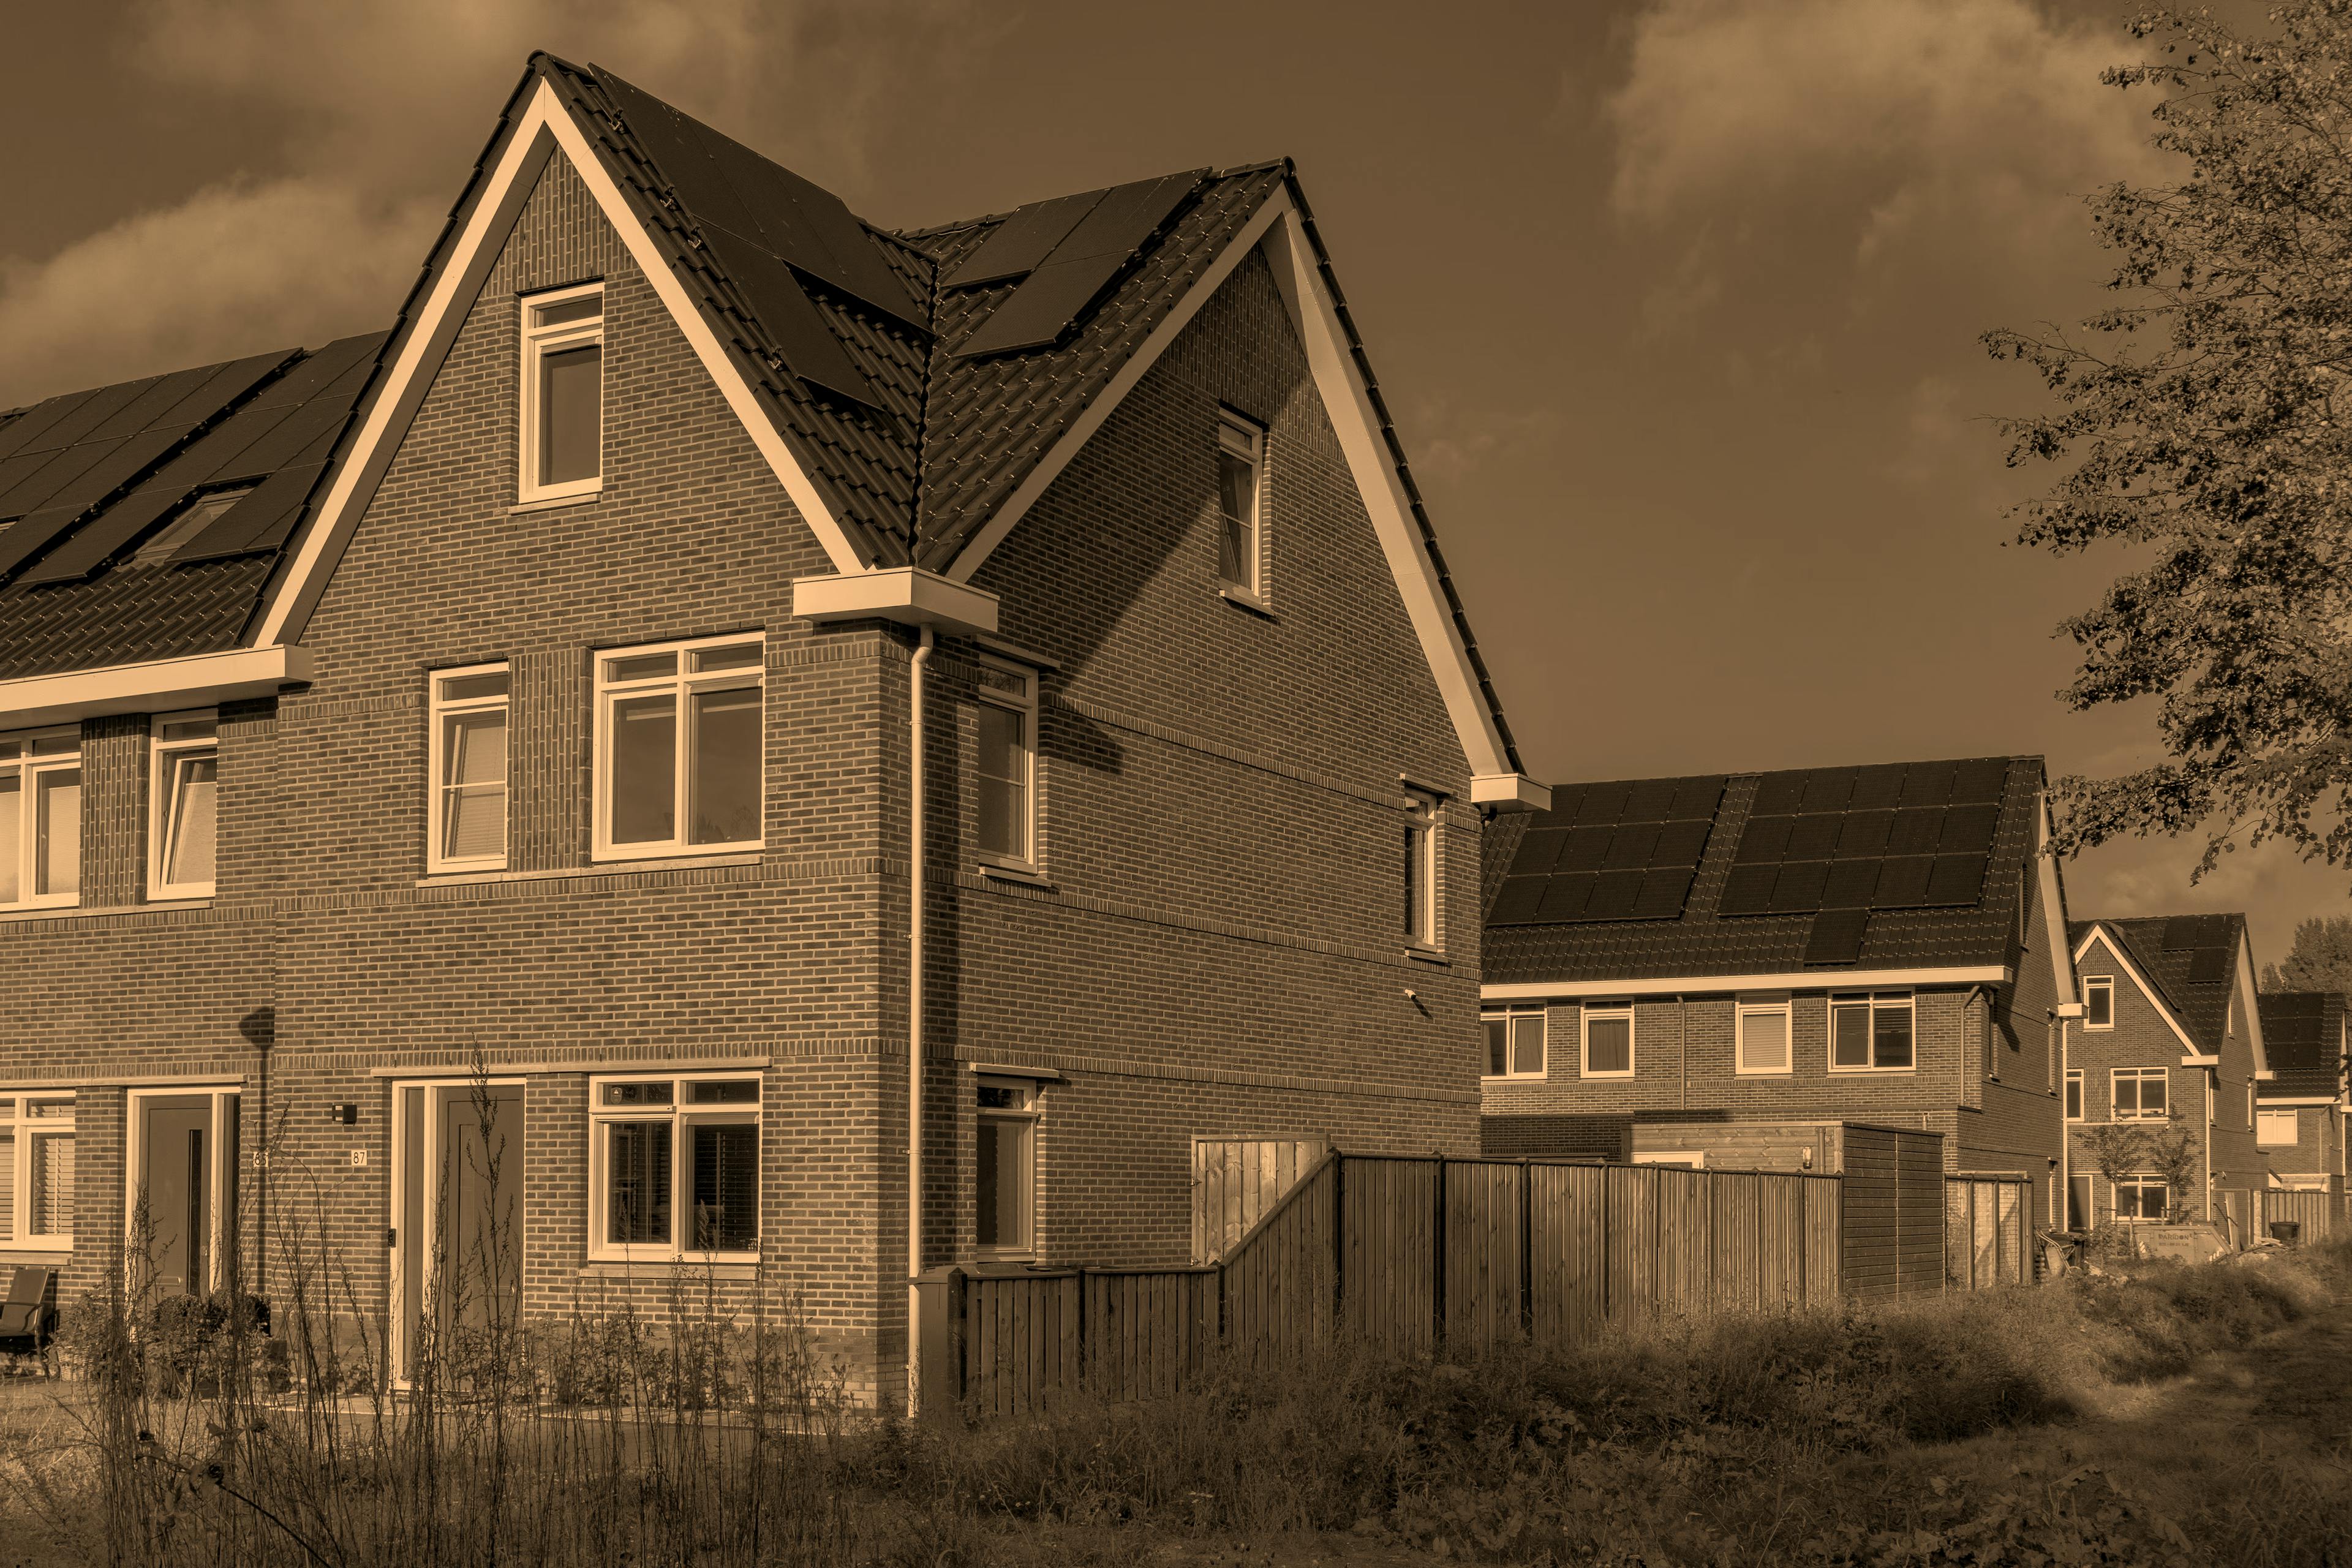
pixel 721 685
pixel 1724 969
pixel 2299 1109
pixel 2171 1036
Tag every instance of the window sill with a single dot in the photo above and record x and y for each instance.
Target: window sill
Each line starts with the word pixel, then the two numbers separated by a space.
pixel 1870 1072
pixel 556 503
pixel 32 1254
pixel 672 853
pixel 1429 955
pixel 69 911
pixel 1246 600
pixel 1511 1078
pixel 1763 1072
pixel 1014 874
pixel 1604 1076
pixel 614 1268
pixel 598 869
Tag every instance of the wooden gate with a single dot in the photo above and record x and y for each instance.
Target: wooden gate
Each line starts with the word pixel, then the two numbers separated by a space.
pixel 1987 1240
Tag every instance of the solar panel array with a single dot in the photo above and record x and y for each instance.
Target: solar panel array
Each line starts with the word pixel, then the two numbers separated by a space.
pixel 1610 852
pixel 1068 252
pixel 89 474
pixel 1900 837
pixel 2210 940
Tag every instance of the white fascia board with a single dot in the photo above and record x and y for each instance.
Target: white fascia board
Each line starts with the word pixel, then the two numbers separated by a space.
pixel 2250 1003
pixel 2099 933
pixel 1275 230
pixel 1510 792
pixel 543 127
pixel 907 594
pixel 1713 984
pixel 159 686
pixel 2054 906
pixel 2193 1060
pixel 2262 1101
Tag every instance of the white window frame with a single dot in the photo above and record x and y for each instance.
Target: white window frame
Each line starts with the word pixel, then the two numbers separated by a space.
pixel 17 1171
pixel 2140 1182
pixel 1244 437
pixel 537 343
pixel 1425 817
pixel 682 1117
pixel 1584 1038
pixel 17 756
pixel 682 684
pixel 1690 1159
pixel 1025 707
pixel 439 709
pixel 1509 1017
pixel 2098 982
pixel 2116 1077
pixel 1742 1011
pixel 223 1173
pixel 1026 1113
pixel 1877 1002
pixel 2077 1093
pixel 2295 1128
pixel 163 773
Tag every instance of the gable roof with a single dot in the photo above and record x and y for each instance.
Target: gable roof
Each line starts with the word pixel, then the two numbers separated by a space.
pixel 89 479
pixel 852 362
pixel 2304 1031
pixel 2191 961
pixel 1810 873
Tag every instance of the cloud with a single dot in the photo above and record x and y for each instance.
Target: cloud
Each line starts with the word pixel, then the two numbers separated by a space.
pixel 374 113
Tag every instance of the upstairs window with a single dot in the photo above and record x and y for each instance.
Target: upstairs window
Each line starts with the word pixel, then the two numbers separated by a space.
pixel 40 818
pixel 1515 1043
pixel 1870 1034
pixel 2098 1002
pixel 37 1170
pixel 679 748
pixel 2074 1094
pixel 2276 1129
pixel 1763 1045
pixel 184 749
pixel 1008 764
pixel 563 394
pixel 2140 1094
pixel 674 1168
pixel 1240 466
pixel 1420 869
pixel 1608 1039
pixel 467 830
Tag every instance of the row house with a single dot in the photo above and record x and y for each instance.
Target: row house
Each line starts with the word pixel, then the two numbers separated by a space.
pixel 828 750
pixel 1726 970
pixel 2171 1040
pixel 2299 1109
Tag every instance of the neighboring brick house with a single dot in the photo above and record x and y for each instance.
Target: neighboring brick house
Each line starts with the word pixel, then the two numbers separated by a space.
pixel 2172 1037
pixel 2299 1109
pixel 537 749
pixel 1709 968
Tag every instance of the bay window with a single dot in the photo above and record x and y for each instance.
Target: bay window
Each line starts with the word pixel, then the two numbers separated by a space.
pixel 674 1168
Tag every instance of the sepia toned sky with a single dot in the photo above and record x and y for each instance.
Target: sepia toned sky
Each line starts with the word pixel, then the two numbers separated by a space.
pixel 1676 301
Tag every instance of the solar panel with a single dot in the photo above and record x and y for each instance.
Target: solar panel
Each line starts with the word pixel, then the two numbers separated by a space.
pixel 1017 245
pixel 28 432
pixel 1928 783
pixel 1664 893
pixel 1779 793
pixel 1067 283
pixel 96 410
pixel 64 466
pixel 1604 853
pixel 1851 884
pixel 1863 834
pixel 1955 879
pixel 1902 883
pixel 2209 964
pixel 1515 901
pixel 1766 840
pixel 149 406
pixel 1631 846
pixel 1980 782
pixel 1813 838
pixel 1748 890
pixel 1564 898
pixel 1877 787
pixel 1836 936
pixel 1968 829
pixel 1614 896
pixel 810 349
pixel 1539 851
pixel 1604 802
pixel 1585 849
pixel 1799 887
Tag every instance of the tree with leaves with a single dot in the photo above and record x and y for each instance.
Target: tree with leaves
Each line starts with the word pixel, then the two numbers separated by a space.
pixel 2320 958
pixel 2205 421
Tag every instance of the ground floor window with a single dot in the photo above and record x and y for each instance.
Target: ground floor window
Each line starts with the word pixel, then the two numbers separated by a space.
pixel 2141 1197
pixel 182 1187
pixel 674 1167
pixel 1005 1185
pixel 37 1170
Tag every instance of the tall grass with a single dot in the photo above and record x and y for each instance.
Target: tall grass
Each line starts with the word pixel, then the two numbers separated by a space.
pixel 698 1434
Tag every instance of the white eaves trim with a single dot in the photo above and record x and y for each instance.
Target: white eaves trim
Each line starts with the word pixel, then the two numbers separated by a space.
pixel 907 594
pixel 2265 1101
pixel 199 680
pixel 1510 792
pixel 2189 1055
pixel 2053 908
pixel 2250 1002
pixel 1276 229
pixel 542 128
pixel 1713 984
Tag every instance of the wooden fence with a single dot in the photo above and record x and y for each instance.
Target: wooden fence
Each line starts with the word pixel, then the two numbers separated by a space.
pixel 1236 1180
pixel 2319 1214
pixel 1987 1239
pixel 1396 1255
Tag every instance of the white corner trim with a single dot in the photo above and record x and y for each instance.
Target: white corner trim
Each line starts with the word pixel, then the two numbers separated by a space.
pixel 907 594
pixel 1510 792
pixel 200 680
pixel 2099 933
pixel 540 129
pixel 1710 984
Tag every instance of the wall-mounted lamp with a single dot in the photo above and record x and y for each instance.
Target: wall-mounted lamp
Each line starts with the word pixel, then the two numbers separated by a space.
pixel 1410 995
pixel 346 1113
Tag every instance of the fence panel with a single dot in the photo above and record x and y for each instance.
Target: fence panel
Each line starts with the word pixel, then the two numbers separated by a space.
pixel 1569 1277
pixel 1485 1230
pixel 1236 1181
pixel 1278 1286
pixel 1021 1344
pixel 1388 1234
pixel 2314 1211
pixel 1985 1232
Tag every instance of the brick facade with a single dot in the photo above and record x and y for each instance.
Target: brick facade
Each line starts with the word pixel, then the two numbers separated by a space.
pixel 1212 948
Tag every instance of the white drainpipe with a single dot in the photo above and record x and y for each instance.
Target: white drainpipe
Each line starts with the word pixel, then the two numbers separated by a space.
pixel 915 1016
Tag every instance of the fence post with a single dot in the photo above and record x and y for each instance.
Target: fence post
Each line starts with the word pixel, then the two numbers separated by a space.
pixel 1437 1273
pixel 940 1367
pixel 1084 1368
pixel 1338 1245
pixel 1528 1249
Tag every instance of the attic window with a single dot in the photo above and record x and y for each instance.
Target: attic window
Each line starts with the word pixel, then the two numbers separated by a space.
pixel 1241 461
pixel 194 518
pixel 562 423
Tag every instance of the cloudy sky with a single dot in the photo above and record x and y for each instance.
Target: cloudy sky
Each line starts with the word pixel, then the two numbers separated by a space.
pixel 1675 300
